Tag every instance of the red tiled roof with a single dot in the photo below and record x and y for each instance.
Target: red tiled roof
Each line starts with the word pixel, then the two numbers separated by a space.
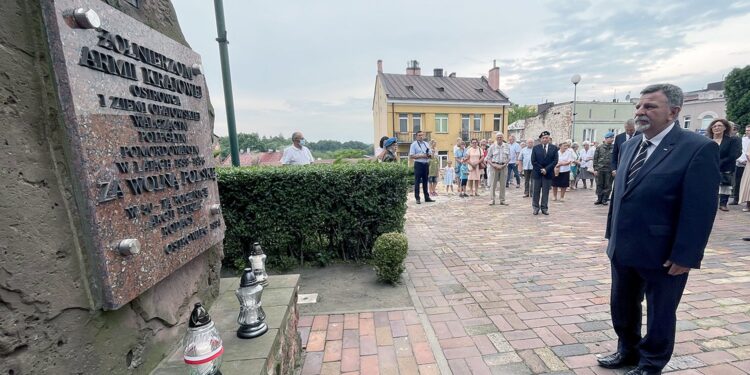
pixel 256 158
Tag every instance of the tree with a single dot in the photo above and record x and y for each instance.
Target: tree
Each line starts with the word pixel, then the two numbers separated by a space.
pixel 737 93
pixel 518 112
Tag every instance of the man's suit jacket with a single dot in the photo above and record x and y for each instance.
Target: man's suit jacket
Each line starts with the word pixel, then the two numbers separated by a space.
pixel 667 212
pixel 541 161
pixel 619 140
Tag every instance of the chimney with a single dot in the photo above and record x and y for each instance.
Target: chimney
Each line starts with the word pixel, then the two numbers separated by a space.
pixel 437 72
pixel 494 76
pixel 452 75
pixel 380 66
pixel 412 68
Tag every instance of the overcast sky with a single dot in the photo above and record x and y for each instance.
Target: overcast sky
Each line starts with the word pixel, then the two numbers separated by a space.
pixel 311 65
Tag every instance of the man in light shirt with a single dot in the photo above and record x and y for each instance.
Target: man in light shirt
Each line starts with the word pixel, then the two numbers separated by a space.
pixel 420 152
pixel 515 150
pixel 525 159
pixel 297 153
pixel 497 159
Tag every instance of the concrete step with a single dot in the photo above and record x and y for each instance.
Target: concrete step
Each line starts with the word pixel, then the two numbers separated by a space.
pixel 276 352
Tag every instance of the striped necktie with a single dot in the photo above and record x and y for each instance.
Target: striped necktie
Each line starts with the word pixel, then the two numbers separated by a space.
pixel 638 162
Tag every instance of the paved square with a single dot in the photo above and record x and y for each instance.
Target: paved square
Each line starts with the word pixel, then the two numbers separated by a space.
pixel 500 291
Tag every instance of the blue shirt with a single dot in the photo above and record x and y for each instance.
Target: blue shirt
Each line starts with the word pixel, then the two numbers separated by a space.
pixel 526 158
pixel 420 147
pixel 464 171
pixel 515 149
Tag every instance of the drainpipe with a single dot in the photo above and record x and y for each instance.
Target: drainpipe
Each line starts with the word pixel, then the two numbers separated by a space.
pixel 226 76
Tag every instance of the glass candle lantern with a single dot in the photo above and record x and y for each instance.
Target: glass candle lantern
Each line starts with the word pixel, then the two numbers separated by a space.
pixel 203 345
pixel 258 263
pixel 252 317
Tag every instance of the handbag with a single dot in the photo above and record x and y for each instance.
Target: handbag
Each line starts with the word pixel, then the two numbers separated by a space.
pixel 557 171
pixel 726 178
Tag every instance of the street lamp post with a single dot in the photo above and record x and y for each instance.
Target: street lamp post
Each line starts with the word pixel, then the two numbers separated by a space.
pixel 226 76
pixel 574 79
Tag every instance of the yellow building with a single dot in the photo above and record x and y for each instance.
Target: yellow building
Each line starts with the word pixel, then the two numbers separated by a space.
pixel 444 107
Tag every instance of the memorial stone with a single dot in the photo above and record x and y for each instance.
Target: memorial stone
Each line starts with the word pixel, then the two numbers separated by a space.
pixel 139 143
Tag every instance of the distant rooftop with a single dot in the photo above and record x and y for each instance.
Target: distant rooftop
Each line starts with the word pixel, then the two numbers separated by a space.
pixel 459 89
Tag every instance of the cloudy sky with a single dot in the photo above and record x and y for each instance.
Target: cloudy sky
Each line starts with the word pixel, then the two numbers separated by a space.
pixel 311 65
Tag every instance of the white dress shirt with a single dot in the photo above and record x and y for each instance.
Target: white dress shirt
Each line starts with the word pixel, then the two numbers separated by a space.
pixel 297 156
pixel 655 141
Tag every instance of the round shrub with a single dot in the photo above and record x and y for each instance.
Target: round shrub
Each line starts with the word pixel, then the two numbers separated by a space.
pixel 388 256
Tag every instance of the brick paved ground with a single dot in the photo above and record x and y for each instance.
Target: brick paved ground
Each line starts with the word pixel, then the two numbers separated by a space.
pixel 499 291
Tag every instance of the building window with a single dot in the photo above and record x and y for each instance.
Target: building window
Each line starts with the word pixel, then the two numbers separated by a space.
pixel 615 116
pixel 706 121
pixel 465 127
pixel 686 122
pixel 403 122
pixel 416 122
pixel 589 112
pixel 477 122
pixel 589 135
pixel 497 122
pixel 441 123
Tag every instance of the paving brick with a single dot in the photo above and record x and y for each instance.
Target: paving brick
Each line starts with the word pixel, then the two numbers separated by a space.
pixel 368 365
pixel 423 353
pixel 350 360
pixel 313 363
pixel 332 351
pixel 331 368
pixel 320 323
pixel 383 335
pixel 351 321
pixel 398 328
pixel 335 331
pixel 368 345
pixel 527 344
pixel 316 341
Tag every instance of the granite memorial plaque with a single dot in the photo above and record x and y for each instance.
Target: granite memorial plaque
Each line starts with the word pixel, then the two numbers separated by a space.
pixel 139 138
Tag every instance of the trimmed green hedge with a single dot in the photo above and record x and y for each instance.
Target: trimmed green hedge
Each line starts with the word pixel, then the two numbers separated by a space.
pixel 389 253
pixel 315 212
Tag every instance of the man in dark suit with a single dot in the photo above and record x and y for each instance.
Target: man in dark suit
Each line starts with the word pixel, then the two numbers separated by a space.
pixel 660 220
pixel 543 160
pixel 620 139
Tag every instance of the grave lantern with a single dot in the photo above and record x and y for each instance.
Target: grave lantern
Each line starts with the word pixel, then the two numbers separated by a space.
pixel 203 345
pixel 258 264
pixel 252 317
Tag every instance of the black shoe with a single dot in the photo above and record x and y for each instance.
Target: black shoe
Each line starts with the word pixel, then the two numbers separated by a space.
pixel 419 202
pixel 604 203
pixel 642 371
pixel 617 360
pixel 597 203
pixel 428 200
pixel 536 211
pixel 746 238
pixel 734 204
pixel 545 212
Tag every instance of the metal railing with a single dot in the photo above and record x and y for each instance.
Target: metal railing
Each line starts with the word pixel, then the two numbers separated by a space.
pixel 409 137
pixel 467 136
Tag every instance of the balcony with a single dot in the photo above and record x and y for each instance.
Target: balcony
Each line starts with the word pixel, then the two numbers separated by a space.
pixel 409 137
pixel 467 136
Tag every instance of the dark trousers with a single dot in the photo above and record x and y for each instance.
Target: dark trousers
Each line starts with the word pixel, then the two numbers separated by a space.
pixel 421 171
pixel 603 185
pixel 663 293
pixel 526 181
pixel 736 188
pixel 513 168
pixel 540 197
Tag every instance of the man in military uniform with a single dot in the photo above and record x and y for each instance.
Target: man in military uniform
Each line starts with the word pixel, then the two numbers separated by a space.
pixel 603 169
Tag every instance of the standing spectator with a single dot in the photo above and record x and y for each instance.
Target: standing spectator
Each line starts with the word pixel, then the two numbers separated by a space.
pixel 525 159
pixel 660 220
pixel 741 164
pixel 603 169
pixel 380 151
pixel 561 180
pixel 463 174
pixel 620 139
pixel 460 155
pixel 457 146
pixel 297 153
pixel 420 152
pixel 474 156
pixel 586 165
pixel 574 166
pixel 432 176
pixel 449 174
pixel 497 160
pixel 515 151
pixel 391 150
pixel 730 148
pixel 544 160
pixel 483 181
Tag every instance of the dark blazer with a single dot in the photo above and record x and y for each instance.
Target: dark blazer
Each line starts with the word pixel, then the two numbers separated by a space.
pixel 667 212
pixel 729 150
pixel 539 161
pixel 619 140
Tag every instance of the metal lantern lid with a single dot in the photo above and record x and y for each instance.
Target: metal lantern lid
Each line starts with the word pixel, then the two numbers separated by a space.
pixel 248 278
pixel 257 250
pixel 199 317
